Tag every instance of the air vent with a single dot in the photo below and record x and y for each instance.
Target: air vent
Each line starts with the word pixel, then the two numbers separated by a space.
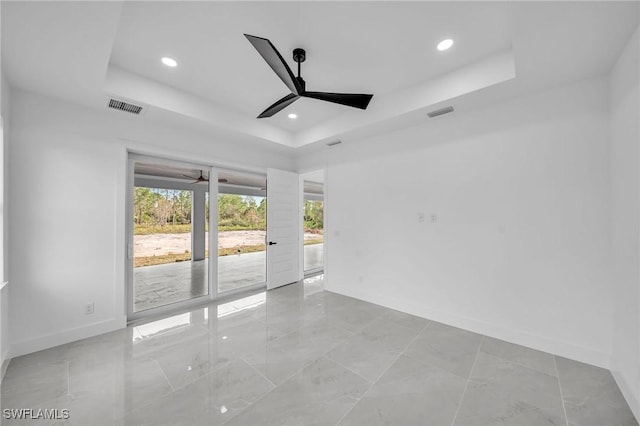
pixel 124 106
pixel 334 143
pixel 441 111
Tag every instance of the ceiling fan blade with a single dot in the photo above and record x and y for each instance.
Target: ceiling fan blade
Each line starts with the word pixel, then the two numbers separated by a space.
pixel 279 105
pixel 190 177
pixel 355 100
pixel 276 62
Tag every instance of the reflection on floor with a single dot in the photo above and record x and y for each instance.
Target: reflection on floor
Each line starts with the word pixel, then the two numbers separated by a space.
pixel 175 282
pixel 302 355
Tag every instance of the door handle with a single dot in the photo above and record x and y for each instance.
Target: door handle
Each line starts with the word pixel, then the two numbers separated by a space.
pixel 272 243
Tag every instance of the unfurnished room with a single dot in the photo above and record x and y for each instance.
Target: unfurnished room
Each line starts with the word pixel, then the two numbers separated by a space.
pixel 320 213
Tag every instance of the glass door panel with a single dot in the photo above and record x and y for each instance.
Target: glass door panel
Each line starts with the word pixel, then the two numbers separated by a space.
pixel 241 240
pixel 169 236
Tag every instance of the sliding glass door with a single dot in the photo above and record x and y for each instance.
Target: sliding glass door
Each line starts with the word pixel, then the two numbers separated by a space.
pixel 196 232
pixel 168 243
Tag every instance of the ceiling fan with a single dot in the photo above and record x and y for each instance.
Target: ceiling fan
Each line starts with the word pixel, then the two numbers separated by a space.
pixel 201 178
pixel 296 84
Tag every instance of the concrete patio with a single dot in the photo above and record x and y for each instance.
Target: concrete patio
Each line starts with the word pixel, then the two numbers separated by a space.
pixel 160 285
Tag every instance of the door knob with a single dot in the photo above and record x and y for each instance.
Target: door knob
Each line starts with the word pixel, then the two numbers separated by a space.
pixel 272 243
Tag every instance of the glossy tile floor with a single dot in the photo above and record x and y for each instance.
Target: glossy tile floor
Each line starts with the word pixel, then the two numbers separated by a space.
pixel 161 285
pixel 299 355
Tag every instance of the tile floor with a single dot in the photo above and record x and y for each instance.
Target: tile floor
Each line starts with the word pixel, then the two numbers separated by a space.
pixel 300 355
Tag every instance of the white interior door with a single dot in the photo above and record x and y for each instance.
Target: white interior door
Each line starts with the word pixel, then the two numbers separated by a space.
pixel 283 205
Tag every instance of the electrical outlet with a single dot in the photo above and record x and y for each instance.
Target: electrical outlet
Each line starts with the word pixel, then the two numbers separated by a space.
pixel 89 308
pixel 420 217
pixel 434 218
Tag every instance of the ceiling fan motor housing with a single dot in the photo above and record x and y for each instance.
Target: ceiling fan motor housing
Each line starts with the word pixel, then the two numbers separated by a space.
pixel 299 55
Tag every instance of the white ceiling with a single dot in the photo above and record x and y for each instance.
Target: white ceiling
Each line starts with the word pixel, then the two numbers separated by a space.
pixel 84 51
pixel 344 45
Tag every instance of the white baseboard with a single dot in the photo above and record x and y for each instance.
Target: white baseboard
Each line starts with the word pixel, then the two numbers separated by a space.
pixel 632 400
pixel 66 336
pixel 541 343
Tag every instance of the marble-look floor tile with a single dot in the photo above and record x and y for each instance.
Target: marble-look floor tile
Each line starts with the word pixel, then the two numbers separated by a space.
pixel 371 351
pixel 252 337
pixel 312 357
pixel 29 388
pixel 503 393
pixel 277 365
pixel 135 381
pixel 411 392
pixel 87 409
pixel 363 357
pixel 351 314
pixel 506 378
pixel 143 381
pixel 211 400
pixel 531 358
pixel 449 348
pixel 483 408
pixel 239 318
pixel 318 395
pixel 101 377
pixel 406 320
pixel 188 363
pixel 591 395
pixel 285 356
pixel 160 335
pixel 287 319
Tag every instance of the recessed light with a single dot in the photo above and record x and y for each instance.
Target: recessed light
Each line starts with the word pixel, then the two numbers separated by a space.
pixel 293 116
pixel 170 62
pixel 445 44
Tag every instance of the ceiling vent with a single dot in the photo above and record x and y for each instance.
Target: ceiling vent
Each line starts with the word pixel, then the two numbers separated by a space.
pixel 441 111
pixel 124 106
pixel 334 143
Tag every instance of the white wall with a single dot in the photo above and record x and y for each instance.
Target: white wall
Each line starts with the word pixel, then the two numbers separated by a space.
pixel 520 249
pixel 625 180
pixel 4 290
pixel 67 207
